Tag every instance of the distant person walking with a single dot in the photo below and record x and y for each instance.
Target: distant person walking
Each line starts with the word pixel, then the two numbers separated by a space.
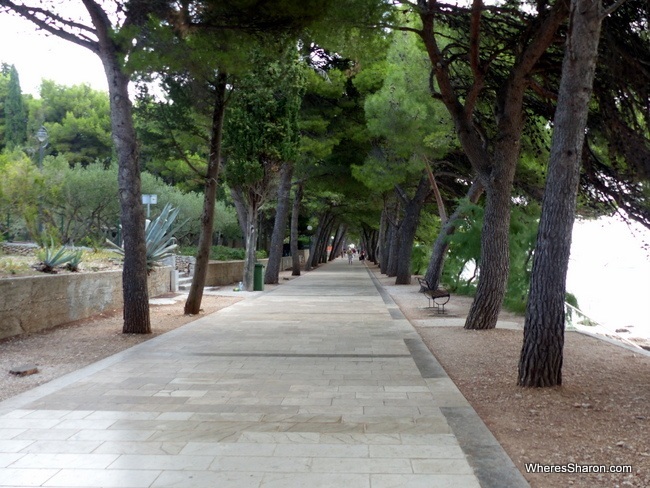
pixel 349 256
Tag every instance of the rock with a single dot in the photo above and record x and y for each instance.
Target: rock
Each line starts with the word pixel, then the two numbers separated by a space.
pixel 24 370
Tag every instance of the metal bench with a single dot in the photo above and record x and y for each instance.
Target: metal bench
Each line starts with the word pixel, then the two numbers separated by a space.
pixel 438 297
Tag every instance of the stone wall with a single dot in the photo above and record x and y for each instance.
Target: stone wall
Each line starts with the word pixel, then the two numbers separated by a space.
pixel 222 273
pixel 36 303
pixel 20 249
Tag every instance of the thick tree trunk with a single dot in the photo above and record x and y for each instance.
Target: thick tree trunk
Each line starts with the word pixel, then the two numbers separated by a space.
pixel 441 244
pixel 251 248
pixel 393 249
pixel 495 256
pixel 193 303
pixel 393 241
pixel 382 247
pixel 247 214
pixel 337 245
pixel 540 364
pixel 295 215
pixel 241 209
pixel 371 246
pixel 496 169
pixel 272 274
pixel 323 239
pixel 134 275
pixel 408 229
pixel 315 245
pixel 370 243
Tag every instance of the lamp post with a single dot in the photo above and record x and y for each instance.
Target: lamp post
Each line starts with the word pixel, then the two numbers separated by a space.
pixel 42 136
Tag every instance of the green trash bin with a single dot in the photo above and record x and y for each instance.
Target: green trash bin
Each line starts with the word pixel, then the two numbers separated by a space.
pixel 258 277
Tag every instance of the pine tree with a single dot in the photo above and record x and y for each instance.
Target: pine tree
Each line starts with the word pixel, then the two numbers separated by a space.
pixel 15 112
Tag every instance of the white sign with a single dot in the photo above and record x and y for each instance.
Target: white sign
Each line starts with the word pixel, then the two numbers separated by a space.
pixel 150 199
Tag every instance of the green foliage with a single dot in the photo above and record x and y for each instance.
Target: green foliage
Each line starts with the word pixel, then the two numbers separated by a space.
pixel 50 257
pixel 74 262
pixel 15 112
pixel 262 119
pixel 420 258
pixel 78 122
pixel 408 123
pixel 173 134
pixel 21 188
pixel 523 236
pixel 159 237
pixel 465 251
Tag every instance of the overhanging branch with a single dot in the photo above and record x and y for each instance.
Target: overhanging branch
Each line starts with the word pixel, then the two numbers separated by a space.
pixel 54 24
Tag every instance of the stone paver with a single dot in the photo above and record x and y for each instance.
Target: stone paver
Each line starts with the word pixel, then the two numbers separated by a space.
pixel 320 383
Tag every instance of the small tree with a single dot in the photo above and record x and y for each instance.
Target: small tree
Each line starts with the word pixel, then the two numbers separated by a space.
pixel 261 135
pixel 15 112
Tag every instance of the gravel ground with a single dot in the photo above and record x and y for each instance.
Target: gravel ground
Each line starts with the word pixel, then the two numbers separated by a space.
pixel 600 416
pixel 64 349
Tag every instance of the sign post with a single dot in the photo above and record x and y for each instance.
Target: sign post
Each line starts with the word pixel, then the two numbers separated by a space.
pixel 149 200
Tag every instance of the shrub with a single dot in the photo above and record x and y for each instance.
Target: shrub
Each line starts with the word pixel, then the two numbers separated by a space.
pixel 51 258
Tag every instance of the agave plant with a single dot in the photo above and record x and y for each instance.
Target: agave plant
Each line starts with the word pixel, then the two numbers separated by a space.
pixel 75 261
pixel 52 258
pixel 159 236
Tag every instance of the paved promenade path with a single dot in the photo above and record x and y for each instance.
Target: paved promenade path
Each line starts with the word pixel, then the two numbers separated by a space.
pixel 320 382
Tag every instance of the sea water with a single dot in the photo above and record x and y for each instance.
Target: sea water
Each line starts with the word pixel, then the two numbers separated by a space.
pixel 609 273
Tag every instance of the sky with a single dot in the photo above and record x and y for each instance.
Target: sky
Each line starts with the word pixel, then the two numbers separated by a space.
pixel 39 56
pixel 609 272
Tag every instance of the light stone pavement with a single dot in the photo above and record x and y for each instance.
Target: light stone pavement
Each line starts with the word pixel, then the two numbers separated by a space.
pixel 321 382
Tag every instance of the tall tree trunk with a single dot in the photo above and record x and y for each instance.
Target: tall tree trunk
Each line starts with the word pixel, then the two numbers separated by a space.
pixel 251 247
pixel 241 209
pixel 272 274
pixel 369 243
pixel 295 215
pixel 495 169
pixel 134 275
pixel 540 364
pixel 382 247
pixel 247 214
pixel 441 244
pixel 319 240
pixel 408 229
pixel 193 302
pixel 393 241
pixel 323 239
pixel 495 255
pixel 337 244
pixel 372 247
